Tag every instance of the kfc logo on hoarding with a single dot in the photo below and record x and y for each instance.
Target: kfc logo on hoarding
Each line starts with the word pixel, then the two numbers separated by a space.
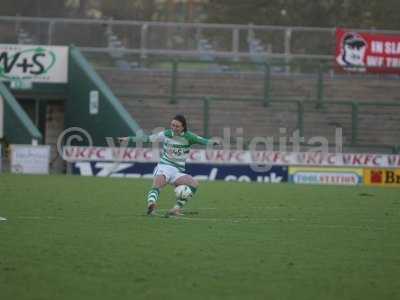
pixel 353 48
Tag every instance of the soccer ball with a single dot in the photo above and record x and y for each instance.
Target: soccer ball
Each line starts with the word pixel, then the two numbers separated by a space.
pixel 183 192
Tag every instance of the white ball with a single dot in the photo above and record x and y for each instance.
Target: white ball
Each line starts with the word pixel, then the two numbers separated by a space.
pixel 183 192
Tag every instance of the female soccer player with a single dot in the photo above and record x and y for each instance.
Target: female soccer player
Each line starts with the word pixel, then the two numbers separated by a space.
pixel 177 142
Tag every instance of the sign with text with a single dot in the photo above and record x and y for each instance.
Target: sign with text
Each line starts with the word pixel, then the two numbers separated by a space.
pixel 382 177
pixel 367 52
pixel 241 173
pixel 28 159
pixel 236 157
pixel 28 63
pixel 329 176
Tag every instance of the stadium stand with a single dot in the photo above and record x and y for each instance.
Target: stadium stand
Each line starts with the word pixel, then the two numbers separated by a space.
pixel 261 96
pixel 239 103
pixel 251 84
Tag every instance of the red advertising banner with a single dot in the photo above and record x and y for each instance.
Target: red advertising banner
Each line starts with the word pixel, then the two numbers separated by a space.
pixel 367 52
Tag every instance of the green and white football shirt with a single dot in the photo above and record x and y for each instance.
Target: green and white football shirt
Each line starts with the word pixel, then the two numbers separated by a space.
pixel 176 148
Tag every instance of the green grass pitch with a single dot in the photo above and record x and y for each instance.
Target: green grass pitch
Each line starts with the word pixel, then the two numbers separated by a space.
pixel 71 237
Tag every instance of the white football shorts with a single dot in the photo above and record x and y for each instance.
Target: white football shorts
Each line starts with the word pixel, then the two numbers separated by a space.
pixel 170 172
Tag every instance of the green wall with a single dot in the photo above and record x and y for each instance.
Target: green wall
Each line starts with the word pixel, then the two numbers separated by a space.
pixel 18 127
pixel 111 121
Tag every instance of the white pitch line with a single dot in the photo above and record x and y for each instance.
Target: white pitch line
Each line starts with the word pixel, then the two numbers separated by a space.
pixel 299 208
pixel 286 221
pixel 39 217
pixel 228 220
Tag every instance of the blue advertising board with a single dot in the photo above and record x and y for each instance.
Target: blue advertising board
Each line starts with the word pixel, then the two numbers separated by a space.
pixel 243 173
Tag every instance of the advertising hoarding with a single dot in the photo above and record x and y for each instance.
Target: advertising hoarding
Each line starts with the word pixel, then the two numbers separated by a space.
pixel 237 157
pixel 209 172
pixel 28 159
pixel 328 176
pixel 382 177
pixel 32 63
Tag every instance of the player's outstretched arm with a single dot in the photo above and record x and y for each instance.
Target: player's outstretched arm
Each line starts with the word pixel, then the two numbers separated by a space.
pixel 196 139
pixel 141 137
pixel 126 139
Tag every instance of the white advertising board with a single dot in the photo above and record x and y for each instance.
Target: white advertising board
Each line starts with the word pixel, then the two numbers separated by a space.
pixel 33 63
pixel 238 157
pixel 28 159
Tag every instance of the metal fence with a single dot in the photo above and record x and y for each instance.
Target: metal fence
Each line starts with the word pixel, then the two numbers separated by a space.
pixel 194 40
pixel 206 42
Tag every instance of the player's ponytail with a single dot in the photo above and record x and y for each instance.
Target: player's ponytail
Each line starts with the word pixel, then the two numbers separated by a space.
pixel 181 119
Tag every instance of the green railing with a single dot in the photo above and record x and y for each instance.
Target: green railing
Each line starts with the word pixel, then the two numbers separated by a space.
pixel 318 72
pixel 300 112
pixel 176 66
pixel 300 104
pixel 318 97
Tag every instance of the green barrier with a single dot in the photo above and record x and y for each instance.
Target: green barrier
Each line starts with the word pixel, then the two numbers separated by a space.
pixel 300 104
pixel 111 120
pixel 267 84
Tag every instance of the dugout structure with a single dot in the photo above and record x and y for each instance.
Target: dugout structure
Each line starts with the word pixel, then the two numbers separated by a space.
pixel 40 112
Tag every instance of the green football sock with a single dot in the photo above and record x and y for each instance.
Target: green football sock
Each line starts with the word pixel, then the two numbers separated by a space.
pixel 153 195
pixel 180 203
